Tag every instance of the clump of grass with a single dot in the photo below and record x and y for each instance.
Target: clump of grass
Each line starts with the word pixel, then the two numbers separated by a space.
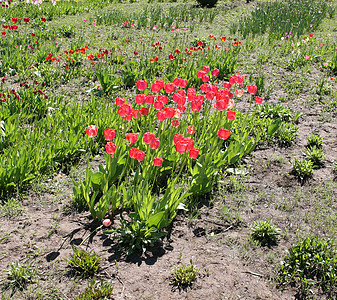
pixel 315 140
pixel 303 169
pixel 265 233
pixel 315 155
pixel 184 276
pixel 84 263
pixel 19 275
pixel 310 263
pixel 11 208
pixel 97 291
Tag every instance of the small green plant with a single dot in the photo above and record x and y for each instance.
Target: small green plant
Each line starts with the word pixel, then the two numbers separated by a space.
pixel 310 263
pixel 19 275
pixel 11 208
pixel 184 276
pixel 286 134
pixel 84 263
pixel 315 140
pixel 315 155
pixel 302 168
pixel 97 291
pixel 265 233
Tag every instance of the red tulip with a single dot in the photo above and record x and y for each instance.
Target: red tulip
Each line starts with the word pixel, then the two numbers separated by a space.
pixel 176 82
pixel 141 85
pixel 231 115
pixel 205 78
pixel 196 106
pixel 91 131
pixel 149 99
pixel 26 20
pixel 210 96
pixel 131 137
pixel 205 69
pixel 144 111
pixel 258 100
pixel 140 99
pixel 109 134
pixel 157 161
pixel 135 53
pixel 181 147
pixel 169 112
pixel 175 123
pixel 161 115
pixel 194 152
pixel 162 98
pixel 155 144
pixel 120 101
pixel 14 20
pixel 183 83
pixel 158 105
pixel 136 113
pixel 227 85
pixel 140 155
pixel 191 129
pixel 110 148
pixel 43 19
pixel 169 88
pixel 200 74
pixel 215 72
pixel 125 110
pixel 148 137
pixel 133 152
pixel 224 133
pixel 252 89
pixel 155 87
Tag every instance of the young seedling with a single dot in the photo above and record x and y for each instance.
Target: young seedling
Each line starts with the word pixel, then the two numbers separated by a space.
pixel 84 263
pixel 184 276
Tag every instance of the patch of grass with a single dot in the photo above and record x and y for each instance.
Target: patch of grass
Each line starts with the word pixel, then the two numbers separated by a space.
pixel 84 263
pixel 11 208
pixel 97 291
pixel 315 155
pixel 303 168
pixel 184 276
pixel 19 275
pixel 315 140
pixel 265 233
pixel 310 263
pixel 286 134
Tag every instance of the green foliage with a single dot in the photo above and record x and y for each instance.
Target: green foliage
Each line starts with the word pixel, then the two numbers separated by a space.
pixel 276 111
pixel 315 155
pixel 184 276
pixel 310 263
pixel 281 17
pixel 97 291
pixel 286 134
pixel 11 208
pixel 150 216
pixel 19 275
pixel 303 169
pixel 315 140
pixel 84 263
pixel 265 233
